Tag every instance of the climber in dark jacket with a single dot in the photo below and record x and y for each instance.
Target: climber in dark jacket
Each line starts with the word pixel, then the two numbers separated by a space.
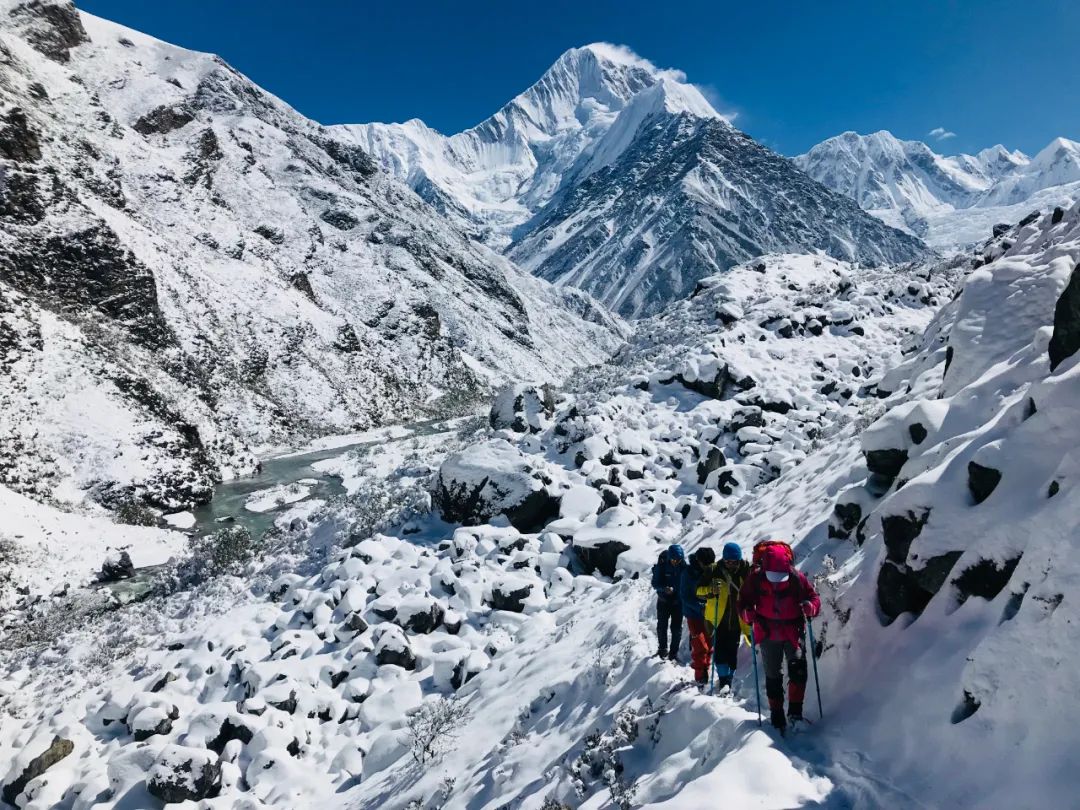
pixel 665 581
pixel 697 572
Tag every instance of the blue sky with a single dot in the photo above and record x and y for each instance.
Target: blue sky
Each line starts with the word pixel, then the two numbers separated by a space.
pixel 794 71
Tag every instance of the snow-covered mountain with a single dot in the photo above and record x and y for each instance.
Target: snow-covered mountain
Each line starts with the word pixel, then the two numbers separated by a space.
pixel 190 268
pixel 948 200
pixel 619 178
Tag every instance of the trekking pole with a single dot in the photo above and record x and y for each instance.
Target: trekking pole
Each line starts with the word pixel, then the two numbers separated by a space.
pixel 813 658
pixel 757 689
pixel 712 652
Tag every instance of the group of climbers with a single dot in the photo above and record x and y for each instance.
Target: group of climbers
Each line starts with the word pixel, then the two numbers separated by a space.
pixel 766 601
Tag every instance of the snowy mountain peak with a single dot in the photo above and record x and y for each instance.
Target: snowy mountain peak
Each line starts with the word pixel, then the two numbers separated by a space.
pixel 908 185
pixel 497 175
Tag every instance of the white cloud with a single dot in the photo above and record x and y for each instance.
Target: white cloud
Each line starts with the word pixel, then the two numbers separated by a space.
pixel 941 133
pixel 712 95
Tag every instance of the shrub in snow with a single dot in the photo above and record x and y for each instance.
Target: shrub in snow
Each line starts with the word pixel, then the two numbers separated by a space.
pixel 184 774
pixel 133 513
pixel 435 726
pixel 223 552
pixel 494 478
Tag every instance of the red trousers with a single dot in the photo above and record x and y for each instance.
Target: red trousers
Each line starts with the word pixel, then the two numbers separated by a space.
pixel 700 647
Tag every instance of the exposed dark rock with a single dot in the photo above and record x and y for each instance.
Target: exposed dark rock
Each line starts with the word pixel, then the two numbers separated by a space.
pixel 164 726
pixel 463 673
pixel 503 598
pixel 985 579
pixel 1057 216
pixel 288 705
pixel 230 731
pixel 1053 489
pixel 901 590
pixel 163 120
pixel 113 570
pixel 1000 229
pixel 1066 338
pixel 967 707
pixel 917 432
pixel 900 531
pixel 846 517
pixel 52 27
pixel 714 460
pixel 89 268
pixel 18 142
pixel 342 220
pixel 207 152
pixel 271 233
pixel 404 658
pixel 355 623
pixel 932 576
pixel 749 416
pixel 425 621
pixel 886 463
pixel 57 750
pixel 184 779
pixel 347 341
pixel 1034 215
pixel 603 557
pixel 301 282
pixel 163 681
pixel 982 481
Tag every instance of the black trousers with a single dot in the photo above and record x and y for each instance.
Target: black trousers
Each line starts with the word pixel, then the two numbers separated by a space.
pixel 668 613
pixel 726 647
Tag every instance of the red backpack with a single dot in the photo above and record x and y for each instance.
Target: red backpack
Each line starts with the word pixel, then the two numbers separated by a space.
pixel 761 547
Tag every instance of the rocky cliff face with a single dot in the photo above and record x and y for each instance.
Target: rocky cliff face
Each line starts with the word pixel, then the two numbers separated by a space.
pixel 688 198
pixel 210 266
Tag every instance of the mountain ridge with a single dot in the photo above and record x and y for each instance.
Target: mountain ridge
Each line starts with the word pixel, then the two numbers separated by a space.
pixel 585 115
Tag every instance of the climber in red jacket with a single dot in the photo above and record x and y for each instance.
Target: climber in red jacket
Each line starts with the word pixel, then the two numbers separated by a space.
pixel 775 600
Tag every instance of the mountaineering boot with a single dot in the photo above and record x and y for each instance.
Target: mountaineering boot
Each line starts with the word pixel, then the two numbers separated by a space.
pixel 673 655
pixel 660 654
pixel 776 717
pixel 795 711
pixel 723 682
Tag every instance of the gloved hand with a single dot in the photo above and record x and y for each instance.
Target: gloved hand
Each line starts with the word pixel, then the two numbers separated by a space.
pixel 669 591
pixel 807 608
pixel 749 617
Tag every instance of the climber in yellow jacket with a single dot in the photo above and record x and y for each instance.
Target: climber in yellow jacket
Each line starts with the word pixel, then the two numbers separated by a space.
pixel 721 588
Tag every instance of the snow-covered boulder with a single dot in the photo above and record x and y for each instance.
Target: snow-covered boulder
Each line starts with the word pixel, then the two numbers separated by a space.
pixel 117 567
pixel 392 647
pixel 419 613
pixel 495 478
pixel 181 774
pixel 522 408
pixel 42 752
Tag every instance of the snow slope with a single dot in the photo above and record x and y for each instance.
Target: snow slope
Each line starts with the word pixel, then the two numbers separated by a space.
pixel 302 690
pixel 620 179
pixel 192 269
pixel 949 201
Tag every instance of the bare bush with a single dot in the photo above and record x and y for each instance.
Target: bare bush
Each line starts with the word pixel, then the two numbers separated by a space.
pixel 435 726
pixel 225 551
pixel 133 513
